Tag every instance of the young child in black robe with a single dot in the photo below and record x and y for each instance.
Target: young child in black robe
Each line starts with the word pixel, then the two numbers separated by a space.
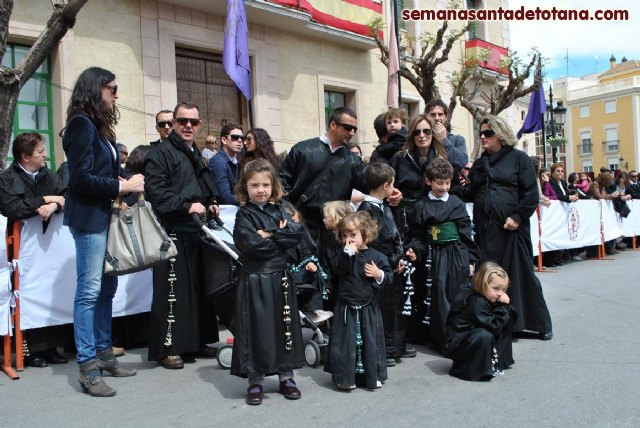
pixel 479 332
pixel 332 213
pixel 356 354
pixel 379 179
pixel 441 240
pixel 268 335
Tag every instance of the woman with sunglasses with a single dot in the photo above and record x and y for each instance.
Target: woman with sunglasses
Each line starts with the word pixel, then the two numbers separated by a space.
pixel 505 195
pixel 259 145
pixel 94 181
pixel 409 163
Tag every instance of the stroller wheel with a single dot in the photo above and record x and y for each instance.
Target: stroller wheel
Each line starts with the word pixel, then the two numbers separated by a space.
pixel 224 356
pixel 312 354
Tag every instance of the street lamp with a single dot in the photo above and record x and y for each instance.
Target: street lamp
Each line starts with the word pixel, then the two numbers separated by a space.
pixel 554 126
pixel 625 164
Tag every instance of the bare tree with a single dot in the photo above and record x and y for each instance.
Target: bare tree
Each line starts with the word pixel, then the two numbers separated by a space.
pixel 476 88
pixel 480 93
pixel 420 68
pixel 12 80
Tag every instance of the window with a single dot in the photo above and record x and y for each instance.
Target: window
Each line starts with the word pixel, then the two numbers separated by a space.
pixel 611 139
pixel 613 163
pixel 584 111
pixel 333 100
pixel 33 109
pixel 587 166
pixel 610 106
pixel 585 143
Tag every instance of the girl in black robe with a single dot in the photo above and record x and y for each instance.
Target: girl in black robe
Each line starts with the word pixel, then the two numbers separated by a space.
pixel 268 335
pixel 479 331
pixel 441 239
pixel 356 354
pixel 505 195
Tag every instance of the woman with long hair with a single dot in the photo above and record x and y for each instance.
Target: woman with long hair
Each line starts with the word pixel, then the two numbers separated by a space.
pixel 94 181
pixel 259 145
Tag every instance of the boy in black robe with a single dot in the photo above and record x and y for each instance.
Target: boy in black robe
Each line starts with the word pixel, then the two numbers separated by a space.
pixel 441 240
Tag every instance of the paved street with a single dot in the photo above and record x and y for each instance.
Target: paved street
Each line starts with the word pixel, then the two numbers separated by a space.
pixel 588 375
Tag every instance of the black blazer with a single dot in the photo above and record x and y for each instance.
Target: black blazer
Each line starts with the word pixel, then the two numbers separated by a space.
pixel 93 176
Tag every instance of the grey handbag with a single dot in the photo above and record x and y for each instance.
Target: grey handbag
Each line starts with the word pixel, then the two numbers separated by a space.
pixel 136 239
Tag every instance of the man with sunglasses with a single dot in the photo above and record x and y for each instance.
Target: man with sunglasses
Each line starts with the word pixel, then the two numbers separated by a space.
pixel 322 169
pixel 438 111
pixel 164 126
pixel 178 185
pixel 224 164
pixel 633 186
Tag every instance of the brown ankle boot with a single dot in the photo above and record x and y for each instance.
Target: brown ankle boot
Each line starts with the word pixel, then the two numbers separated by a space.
pixel 107 361
pixel 91 381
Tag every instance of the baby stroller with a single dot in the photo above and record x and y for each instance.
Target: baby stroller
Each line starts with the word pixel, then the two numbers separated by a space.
pixel 221 283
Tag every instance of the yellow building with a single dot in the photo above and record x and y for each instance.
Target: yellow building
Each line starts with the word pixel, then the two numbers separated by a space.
pixel 167 51
pixel 603 124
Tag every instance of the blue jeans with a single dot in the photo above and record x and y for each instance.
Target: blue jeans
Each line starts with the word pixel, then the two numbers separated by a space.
pixel 94 294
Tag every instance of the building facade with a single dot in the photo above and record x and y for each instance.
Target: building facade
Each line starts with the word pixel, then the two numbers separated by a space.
pixel 307 57
pixel 603 123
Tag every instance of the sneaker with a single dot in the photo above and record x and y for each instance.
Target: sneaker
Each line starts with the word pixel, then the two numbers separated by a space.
pixel 577 258
pixel 345 387
pixel 378 384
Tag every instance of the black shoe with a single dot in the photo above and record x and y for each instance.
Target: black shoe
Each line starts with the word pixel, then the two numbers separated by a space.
pixel 289 389
pixel 391 362
pixel 35 360
pixel 254 395
pixel 207 352
pixel 546 336
pixel 410 352
pixel 52 356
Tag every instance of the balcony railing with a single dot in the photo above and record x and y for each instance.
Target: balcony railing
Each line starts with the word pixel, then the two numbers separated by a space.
pixel 618 85
pixel 585 149
pixel 481 53
pixel 611 145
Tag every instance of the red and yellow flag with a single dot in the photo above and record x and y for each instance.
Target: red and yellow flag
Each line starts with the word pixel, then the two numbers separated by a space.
pixel 348 15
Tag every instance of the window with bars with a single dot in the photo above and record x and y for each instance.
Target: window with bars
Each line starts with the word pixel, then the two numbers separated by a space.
pixel 34 107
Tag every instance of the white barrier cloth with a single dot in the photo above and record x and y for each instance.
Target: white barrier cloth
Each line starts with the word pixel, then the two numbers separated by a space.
pixel 48 278
pixel 5 283
pixel 573 225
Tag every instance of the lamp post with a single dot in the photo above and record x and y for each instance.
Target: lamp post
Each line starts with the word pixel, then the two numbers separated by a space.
pixel 553 126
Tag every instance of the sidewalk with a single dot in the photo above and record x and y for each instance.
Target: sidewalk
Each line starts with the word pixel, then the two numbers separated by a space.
pixel 588 375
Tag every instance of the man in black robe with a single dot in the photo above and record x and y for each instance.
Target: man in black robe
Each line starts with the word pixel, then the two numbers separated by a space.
pixel 321 169
pixel 178 184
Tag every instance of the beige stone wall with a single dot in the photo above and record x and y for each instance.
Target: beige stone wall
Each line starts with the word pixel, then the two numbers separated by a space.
pixel 106 34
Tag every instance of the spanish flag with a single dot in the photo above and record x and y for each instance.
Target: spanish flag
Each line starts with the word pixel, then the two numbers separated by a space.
pixel 349 15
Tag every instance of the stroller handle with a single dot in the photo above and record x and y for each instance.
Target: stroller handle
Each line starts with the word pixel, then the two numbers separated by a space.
pixel 213 236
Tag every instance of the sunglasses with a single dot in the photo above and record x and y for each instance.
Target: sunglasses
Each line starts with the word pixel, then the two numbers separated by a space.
pixel 184 120
pixel 426 131
pixel 487 133
pixel 112 88
pixel 347 127
pixel 236 137
pixel 165 123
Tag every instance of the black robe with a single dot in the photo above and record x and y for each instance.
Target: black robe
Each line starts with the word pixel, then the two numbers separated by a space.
pixel 259 344
pixel 175 178
pixel 449 264
pixel 474 330
pixel 392 297
pixel 504 185
pixel 357 303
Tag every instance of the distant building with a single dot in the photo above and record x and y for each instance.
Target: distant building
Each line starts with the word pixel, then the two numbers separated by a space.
pixel 603 119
